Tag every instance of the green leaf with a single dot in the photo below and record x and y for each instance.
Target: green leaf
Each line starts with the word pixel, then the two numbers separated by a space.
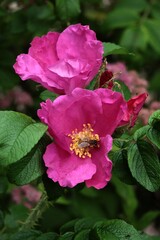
pixel 68 9
pixel 48 95
pixel 85 223
pixel 153 134
pixel 83 235
pixel 18 214
pixel 68 227
pixel 112 48
pixel 45 11
pixel 128 197
pixel 146 219
pixel 114 230
pixel 39 18
pixel 67 236
pixel 26 235
pixel 155 9
pixel 155 117
pixel 29 167
pixel 120 166
pixel 141 132
pixel 119 18
pixel 48 236
pixel 135 37
pixel 144 165
pixel 40 12
pixel 18 135
pixel 121 87
pixel 152 27
pixel 137 5
pixel 118 155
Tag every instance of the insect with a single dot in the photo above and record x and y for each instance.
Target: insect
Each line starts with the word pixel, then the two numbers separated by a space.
pixel 88 143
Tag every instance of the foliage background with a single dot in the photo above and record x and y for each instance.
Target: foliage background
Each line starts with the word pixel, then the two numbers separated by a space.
pixel 132 24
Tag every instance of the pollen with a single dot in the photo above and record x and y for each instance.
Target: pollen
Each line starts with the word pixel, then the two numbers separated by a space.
pixel 82 142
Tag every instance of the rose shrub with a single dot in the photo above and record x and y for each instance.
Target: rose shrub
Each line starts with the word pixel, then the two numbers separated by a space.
pixel 73 144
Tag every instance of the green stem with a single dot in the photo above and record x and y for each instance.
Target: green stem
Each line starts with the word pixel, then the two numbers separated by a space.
pixel 35 213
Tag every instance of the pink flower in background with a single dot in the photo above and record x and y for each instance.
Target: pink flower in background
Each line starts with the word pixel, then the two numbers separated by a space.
pixel 155 105
pixel 63 61
pixel 5 100
pixel 26 195
pixel 17 97
pixel 144 115
pixel 135 104
pixel 120 71
pixel 133 81
pixel 81 124
pixel 146 112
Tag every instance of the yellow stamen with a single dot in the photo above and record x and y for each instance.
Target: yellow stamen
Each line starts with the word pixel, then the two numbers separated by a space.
pixel 83 141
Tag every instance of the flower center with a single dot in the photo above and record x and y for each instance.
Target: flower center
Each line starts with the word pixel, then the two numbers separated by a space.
pixel 84 141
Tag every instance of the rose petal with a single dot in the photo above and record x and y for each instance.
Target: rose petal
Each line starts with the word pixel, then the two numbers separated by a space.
pixel 114 108
pixel 28 68
pixel 75 40
pixel 65 168
pixel 43 49
pixel 103 164
pixel 64 69
pixel 134 105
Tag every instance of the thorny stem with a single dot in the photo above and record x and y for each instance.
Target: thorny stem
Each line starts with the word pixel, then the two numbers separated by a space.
pixel 35 213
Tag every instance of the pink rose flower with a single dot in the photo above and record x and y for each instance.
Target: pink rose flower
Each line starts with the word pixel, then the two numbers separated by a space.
pixel 81 124
pixel 63 61
pixel 135 104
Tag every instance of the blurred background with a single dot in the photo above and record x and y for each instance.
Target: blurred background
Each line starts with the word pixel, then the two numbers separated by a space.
pixel 134 25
